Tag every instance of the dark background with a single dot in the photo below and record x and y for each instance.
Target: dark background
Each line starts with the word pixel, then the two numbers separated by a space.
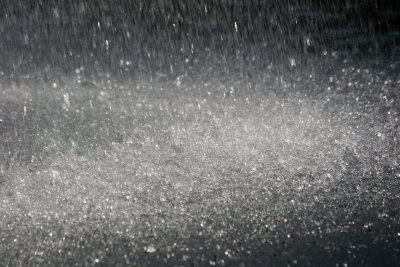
pixel 68 34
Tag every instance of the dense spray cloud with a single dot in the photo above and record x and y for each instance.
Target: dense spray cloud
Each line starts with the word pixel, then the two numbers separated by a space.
pixel 199 133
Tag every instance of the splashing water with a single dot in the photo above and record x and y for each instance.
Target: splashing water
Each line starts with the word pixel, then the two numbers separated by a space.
pixel 199 155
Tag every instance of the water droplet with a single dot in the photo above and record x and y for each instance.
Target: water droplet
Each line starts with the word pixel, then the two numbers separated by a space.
pixel 150 249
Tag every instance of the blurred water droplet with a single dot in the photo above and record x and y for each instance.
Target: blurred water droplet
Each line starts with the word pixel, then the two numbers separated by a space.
pixel 150 249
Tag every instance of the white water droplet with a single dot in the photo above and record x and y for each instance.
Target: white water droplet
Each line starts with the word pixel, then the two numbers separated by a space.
pixel 150 249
